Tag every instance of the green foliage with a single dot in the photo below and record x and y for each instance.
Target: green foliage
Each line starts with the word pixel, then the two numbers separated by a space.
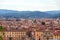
pixel 1 28
pixel 0 37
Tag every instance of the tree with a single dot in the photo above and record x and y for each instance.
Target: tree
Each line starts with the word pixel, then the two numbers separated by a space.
pixel 0 37
pixel 43 23
pixel 1 28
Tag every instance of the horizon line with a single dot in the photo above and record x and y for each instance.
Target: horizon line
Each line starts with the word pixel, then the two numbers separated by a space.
pixel 28 10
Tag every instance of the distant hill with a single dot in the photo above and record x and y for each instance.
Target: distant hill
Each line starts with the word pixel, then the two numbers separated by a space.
pixel 29 14
pixel 54 14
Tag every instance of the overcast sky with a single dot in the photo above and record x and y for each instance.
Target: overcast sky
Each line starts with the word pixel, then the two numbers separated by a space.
pixel 30 5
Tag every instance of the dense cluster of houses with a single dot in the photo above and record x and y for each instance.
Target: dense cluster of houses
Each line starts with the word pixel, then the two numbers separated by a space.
pixel 30 29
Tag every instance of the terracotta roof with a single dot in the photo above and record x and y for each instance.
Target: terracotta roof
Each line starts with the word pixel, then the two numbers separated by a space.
pixel 57 32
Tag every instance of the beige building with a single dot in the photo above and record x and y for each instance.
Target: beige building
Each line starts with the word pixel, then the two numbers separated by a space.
pixel 22 36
